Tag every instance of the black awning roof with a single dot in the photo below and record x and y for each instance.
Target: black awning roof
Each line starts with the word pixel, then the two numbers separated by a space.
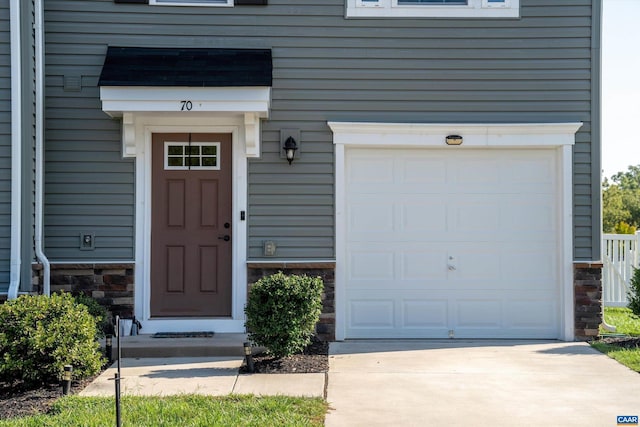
pixel 142 66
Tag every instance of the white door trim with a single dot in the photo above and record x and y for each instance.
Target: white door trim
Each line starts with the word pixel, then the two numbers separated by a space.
pixel 144 125
pixel 558 136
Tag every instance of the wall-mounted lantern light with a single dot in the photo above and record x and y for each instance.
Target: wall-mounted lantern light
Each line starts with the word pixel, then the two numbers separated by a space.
pixel 454 140
pixel 290 146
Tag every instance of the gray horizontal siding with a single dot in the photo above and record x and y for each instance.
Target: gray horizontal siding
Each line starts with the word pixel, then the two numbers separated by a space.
pixel 533 69
pixel 5 147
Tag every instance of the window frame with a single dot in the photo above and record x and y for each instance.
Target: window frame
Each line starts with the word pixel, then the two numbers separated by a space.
pixel 184 145
pixel 391 9
pixel 227 3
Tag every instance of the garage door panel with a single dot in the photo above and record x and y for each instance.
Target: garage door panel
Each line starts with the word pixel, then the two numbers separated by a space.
pixel 474 264
pixel 422 170
pixel 423 265
pixel 531 268
pixel 367 217
pixel 371 314
pixel 474 214
pixel 538 210
pixel 452 240
pixel 425 313
pixel 371 265
pixel 475 172
pixel 478 313
pixel 370 169
pixel 423 214
pixel 531 171
pixel 534 314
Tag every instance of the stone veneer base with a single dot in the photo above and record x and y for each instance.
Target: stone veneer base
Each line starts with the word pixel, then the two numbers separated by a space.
pixel 587 285
pixel 112 285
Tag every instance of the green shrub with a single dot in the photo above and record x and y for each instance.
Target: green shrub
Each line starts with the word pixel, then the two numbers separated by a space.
pixel 41 334
pixel 634 292
pixel 282 312
pixel 98 312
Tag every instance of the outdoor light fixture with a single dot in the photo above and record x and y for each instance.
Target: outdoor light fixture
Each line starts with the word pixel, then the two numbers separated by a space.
pixel 66 379
pixel 248 356
pixel 454 140
pixel 290 146
pixel 109 348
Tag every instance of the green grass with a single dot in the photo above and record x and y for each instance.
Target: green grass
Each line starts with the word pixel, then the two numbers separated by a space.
pixel 623 319
pixel 628 357
pixel 628 324
pixel 183 411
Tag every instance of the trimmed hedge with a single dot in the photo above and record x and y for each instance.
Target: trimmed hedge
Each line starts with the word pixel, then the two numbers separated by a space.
pixel 634 292
pixel 41 334
pixel 282 311
pixel 99 313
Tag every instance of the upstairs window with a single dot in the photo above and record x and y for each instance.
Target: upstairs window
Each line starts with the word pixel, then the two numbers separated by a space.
pixel 191 2
pixel 433 8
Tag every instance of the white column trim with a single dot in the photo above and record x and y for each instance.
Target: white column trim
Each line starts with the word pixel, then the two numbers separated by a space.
pixel 566 251
pixel 341 244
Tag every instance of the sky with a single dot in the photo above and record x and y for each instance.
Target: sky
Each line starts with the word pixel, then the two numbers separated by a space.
pixel 620 85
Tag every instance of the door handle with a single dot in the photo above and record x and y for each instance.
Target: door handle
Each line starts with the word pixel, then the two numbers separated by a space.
pixel 226 237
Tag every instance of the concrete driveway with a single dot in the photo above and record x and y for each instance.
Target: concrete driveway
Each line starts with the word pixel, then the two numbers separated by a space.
pixel 477 383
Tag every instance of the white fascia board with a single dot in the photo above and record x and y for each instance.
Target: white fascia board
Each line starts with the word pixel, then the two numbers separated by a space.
pixel 474 135
pixel 252 103
pixel 119 99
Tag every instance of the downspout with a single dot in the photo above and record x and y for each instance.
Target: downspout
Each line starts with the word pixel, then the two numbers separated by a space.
pixel 16 149
pixel 39 184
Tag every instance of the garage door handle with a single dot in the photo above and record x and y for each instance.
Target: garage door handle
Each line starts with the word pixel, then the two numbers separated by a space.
pixel 452 267
pixel 226 237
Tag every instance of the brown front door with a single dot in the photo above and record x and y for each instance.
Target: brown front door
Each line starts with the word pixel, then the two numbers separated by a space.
pixel 191 225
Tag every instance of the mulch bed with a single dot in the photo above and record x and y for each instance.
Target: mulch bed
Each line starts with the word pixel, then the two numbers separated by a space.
pixel 19 401
pixel 624 342
pixel 313 359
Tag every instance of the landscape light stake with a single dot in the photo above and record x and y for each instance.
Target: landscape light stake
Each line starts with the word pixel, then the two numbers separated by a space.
pixel 248 356
pixel 66 379
pixel 109 348
pixel 118 377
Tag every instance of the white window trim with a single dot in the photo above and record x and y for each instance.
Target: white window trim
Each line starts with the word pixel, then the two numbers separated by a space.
pixel 558 136
pixel 228 3
pixel 391 9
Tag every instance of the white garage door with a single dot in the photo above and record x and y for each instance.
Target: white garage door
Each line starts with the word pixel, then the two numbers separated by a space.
pixel 452 243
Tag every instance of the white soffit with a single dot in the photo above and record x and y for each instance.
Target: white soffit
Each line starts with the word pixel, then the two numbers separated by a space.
pixel 474 135
pixel 252 103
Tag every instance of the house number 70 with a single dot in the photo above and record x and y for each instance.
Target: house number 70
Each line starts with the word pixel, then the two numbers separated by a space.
pixel 186 106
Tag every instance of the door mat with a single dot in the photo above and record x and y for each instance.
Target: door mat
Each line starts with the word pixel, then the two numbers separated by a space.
pixel 182 335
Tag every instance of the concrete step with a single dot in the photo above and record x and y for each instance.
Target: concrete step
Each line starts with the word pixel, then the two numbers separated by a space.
pixel 146 346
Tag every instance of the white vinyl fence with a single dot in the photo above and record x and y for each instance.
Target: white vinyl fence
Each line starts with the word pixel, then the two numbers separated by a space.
pixel 620 257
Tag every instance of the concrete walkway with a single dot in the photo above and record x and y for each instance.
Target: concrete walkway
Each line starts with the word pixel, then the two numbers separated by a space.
pixel 419 383
pixel 477 383
pixel 214 376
